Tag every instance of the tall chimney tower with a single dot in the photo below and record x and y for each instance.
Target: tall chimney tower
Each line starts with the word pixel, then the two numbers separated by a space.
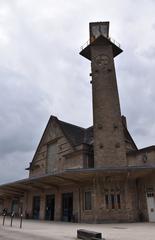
pixel 109 145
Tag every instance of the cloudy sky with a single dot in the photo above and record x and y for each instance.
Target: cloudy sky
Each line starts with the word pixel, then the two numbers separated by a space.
pixel 42 73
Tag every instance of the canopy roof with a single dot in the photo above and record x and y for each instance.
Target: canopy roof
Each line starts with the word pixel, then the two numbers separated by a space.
pixel 69 177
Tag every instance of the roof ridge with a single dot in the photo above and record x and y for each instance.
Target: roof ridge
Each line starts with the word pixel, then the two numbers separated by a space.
pixel 89 127
pixel 72 124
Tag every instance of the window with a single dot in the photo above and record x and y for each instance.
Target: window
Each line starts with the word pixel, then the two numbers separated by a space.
pixel 89 158
pixel 52 157
pixel 87 201
pixel 118 201
pixel 112 199
pixel 150 194
pixel 107 200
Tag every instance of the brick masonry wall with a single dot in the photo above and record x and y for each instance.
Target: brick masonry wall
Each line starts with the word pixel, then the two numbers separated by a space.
pixel 54 134
pixel 109 145
pixel 99 187
pixel 103 185
pixel 142 158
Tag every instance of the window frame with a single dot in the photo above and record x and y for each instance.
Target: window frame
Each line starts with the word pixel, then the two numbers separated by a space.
pixel 112 200
pixel 88 200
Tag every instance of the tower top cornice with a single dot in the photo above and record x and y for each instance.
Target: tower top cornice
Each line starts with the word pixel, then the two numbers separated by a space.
pixel 99 35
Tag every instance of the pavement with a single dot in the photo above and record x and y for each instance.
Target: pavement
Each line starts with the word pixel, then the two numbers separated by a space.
pixel 45 230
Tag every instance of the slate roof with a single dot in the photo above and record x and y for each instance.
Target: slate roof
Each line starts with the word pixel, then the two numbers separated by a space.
pixel 75 134
pixel 142 150
pixel 128 137
pixel 78 135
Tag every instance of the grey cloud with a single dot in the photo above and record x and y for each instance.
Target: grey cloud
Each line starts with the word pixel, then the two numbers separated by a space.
pixel 149 54
pixel 15 163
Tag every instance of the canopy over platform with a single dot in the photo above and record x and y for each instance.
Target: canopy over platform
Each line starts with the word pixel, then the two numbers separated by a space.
pixel 69 177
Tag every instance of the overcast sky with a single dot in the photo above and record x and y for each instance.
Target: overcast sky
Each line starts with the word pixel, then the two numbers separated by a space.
pixel 42 73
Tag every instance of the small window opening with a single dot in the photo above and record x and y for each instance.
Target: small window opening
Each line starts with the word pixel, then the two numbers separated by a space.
pixel 88 201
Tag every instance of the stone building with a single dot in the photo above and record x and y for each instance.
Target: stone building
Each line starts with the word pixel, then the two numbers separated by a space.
pixel 89 175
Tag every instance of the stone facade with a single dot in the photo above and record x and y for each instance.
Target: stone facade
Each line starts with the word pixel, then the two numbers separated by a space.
pixel 90 175
pixel 109 145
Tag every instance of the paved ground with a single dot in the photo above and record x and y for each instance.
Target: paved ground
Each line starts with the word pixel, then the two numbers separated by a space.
pixel 41 230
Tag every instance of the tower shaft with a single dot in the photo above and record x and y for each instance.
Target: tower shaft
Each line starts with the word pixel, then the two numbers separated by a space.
pixel 109 145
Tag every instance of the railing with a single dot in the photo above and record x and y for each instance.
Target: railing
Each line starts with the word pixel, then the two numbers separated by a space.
pixel 115 42
pixel 85 45
pixel 109 38
pixel 12 215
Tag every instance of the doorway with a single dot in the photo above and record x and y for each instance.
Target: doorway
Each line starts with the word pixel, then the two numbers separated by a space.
pixel 151 205
pixel 1 206
pixel 67 207
pixel 50 206
pixel 36 207
pixel 15 207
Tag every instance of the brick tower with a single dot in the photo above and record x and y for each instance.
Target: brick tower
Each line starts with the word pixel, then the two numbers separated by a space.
pixel 109 145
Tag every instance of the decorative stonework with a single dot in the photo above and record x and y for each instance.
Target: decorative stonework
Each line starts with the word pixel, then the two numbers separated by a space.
pixel 102 61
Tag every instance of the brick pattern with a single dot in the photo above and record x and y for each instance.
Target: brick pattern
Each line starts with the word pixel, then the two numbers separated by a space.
pixel 109 145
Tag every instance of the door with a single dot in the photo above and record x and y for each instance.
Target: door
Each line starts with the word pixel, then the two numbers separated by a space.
pixel 67 207
pixel 1 206
pixel 15 207
pixel 50 206
pixel 36 207
pixel 151 205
